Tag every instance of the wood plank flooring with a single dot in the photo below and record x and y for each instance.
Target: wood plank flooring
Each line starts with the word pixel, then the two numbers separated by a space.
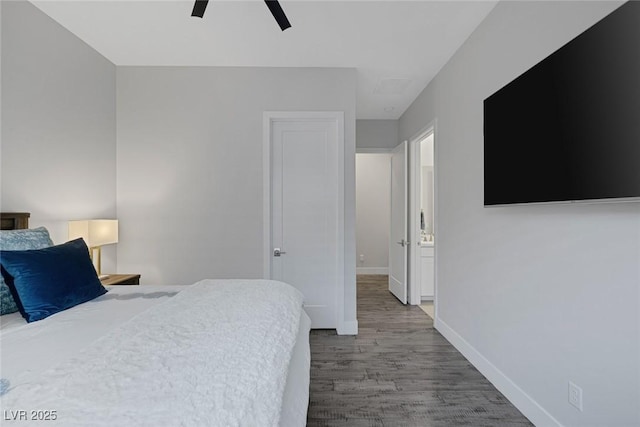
pixel 398 371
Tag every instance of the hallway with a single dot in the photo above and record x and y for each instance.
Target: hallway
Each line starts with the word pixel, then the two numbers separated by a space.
pixel 399 371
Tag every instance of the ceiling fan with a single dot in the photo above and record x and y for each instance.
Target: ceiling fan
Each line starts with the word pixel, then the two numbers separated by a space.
pixel 273 5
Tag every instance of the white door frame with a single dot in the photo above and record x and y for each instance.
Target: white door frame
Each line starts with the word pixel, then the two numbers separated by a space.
pixel 269 117
pixel 414 214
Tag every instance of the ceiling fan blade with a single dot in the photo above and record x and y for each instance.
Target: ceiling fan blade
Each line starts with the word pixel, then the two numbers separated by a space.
pixel 278 13
pixel 199 8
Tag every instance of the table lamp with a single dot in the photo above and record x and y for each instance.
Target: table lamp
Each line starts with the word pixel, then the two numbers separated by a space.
pixel 96 233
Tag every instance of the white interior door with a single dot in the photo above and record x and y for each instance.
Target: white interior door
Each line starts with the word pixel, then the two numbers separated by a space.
pixel 306 213
pixel 398 236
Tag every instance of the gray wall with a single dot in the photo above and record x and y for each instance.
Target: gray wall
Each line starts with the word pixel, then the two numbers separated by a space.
pixel 376 134
pixel 536 295
pixel 58 149
pixel 373 211
pixel 189 150
pixel 190 143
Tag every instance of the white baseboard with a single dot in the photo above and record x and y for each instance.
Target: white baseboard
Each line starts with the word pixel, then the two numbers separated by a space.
pixel 348 328
pixel 521 400
pixel 372 270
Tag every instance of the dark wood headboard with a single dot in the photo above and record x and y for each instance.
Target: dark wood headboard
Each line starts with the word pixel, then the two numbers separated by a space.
pixel 14 220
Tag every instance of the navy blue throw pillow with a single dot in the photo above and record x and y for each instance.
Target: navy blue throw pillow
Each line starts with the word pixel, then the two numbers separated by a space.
pixel 46 281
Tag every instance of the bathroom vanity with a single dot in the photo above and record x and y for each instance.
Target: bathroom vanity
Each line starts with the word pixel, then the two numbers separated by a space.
pixel 427 270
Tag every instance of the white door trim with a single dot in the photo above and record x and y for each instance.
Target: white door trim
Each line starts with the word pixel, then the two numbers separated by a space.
pixel 414 214
pixel 269 117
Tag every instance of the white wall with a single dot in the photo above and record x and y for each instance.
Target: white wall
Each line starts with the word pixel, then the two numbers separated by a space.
pixel 536 295
pixel 190 166
pixel 373 208
pixel 58 148
pixel 376 134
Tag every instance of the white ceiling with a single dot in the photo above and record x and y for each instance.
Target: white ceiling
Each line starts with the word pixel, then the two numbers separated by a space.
pixel 397 47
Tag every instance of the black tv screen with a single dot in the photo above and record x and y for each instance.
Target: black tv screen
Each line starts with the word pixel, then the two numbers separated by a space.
pixel 568 129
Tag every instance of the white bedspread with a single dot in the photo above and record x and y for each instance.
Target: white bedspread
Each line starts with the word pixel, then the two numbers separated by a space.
pixel 216 354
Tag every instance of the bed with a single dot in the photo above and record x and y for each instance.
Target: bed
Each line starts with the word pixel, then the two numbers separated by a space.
pixel 218 352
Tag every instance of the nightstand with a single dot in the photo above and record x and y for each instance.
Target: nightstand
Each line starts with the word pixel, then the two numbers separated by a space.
pixel 121 279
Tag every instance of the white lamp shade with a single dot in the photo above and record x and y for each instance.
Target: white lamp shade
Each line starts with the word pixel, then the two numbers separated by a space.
pixel 95 232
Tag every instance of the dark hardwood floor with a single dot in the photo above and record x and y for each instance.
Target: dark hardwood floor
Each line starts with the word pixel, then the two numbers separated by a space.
pixel 398 371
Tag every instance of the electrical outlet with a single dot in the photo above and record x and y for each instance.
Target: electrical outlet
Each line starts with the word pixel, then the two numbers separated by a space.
pixel 361 257
pixel 575 395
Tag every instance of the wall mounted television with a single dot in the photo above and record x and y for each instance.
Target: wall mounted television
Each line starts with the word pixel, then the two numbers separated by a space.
pixel 568 129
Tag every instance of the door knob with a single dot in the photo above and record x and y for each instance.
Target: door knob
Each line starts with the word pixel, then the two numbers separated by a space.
pixel 403 243
pixel 278 252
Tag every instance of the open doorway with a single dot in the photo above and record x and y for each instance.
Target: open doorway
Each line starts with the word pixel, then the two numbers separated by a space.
pixel 373 172
pixel 422 220
pixel 373 218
